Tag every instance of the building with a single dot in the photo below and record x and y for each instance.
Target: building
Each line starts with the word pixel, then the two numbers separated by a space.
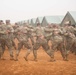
pixel 29 21
pixel 33 20
pixel 38 20
pixel 70 17
pixel 52 20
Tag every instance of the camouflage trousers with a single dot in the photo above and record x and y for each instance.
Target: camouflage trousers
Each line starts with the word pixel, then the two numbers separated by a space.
pixel 41 42
pixel 72 45
pixel 20 45
pixel 6 42
pixel 31 38
pixel 58 43
pixel 12 37
pixel 45 46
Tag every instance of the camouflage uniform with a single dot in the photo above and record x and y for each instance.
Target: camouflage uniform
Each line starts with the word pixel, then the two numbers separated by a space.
pixel 48 32
pixel 70 38
pixel 7 41
pixel 57 41
pixel 23 40
pixel 2 33
pixel 30 31
pixel 41 41
pixel 11 32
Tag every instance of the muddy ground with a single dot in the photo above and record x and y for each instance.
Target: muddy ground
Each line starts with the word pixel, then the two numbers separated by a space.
pixel 41 67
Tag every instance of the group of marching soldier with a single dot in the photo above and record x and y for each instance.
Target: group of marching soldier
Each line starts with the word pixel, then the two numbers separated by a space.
pixel 61 38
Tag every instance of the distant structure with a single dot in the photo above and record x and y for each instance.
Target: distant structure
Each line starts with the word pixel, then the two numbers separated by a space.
pixel 39 20
pixel 70 18
pixel 33 20
pixel 52 20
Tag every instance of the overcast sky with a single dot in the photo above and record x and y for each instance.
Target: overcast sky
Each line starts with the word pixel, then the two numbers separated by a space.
pixel 17 10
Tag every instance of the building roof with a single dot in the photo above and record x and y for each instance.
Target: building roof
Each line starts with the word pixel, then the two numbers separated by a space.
pixel 29 21
pixel 54 19
pixel 73 14
pixel 25 21
pixel 40 19
pixel 34 20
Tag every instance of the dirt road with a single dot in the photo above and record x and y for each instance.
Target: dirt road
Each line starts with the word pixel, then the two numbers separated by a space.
pixel 41 67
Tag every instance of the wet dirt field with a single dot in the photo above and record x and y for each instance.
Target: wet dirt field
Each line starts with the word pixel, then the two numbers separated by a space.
pixel 41 67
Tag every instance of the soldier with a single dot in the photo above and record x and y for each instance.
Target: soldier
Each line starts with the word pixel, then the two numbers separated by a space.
pixel 41 41
pixel 57 40
pixel 70 38
pixel 2 37
pixel 1 40
pixel 10 31
pixel 73 48
pixel 5 41
pixel 30 31
pixel 48 31
pixel 22 37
